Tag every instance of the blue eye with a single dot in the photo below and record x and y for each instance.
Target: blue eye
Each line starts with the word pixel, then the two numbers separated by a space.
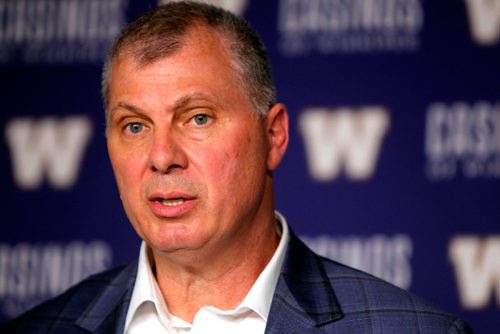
pixel 201 119
pixel 135 127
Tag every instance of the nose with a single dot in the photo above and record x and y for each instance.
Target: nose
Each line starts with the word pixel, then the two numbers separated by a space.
pixel 166 154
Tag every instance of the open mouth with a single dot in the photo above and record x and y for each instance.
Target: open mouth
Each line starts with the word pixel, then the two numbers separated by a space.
pixel 172 205
pixel 171 201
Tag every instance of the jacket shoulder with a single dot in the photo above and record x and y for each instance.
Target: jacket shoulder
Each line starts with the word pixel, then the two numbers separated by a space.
pixel 362 295
pixel 318 295
pixel 64 310
pixel 367 291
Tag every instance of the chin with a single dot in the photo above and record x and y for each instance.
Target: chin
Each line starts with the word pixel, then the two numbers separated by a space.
pixel 175 242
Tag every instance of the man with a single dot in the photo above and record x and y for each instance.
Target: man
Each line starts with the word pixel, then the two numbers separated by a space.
pixel 194 135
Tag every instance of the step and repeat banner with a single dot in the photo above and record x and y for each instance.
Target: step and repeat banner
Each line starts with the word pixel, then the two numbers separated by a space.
pixel 393 165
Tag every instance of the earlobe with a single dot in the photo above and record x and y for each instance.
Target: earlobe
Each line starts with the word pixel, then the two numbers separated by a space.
pixel 277 132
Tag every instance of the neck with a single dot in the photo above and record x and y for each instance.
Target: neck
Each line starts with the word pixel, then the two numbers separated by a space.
pixel 221 278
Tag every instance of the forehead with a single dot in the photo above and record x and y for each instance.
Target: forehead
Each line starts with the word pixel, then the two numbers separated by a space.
pixel 203 61
pixel 207 40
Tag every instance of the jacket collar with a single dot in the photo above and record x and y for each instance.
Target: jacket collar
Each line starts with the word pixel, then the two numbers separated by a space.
pixel 303 298
pixel 108 311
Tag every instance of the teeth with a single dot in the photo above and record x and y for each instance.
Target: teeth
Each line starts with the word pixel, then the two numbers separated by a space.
pixel 172 202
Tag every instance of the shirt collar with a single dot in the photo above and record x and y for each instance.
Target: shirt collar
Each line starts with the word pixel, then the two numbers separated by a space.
pixel 258 299
pixel 260 296
pixel 146 288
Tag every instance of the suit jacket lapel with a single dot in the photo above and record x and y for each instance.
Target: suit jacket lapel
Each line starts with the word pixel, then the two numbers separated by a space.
pixel 303 299
pixel 108 311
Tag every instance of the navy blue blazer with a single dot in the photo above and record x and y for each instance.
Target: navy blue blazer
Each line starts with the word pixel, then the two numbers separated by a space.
pixel 313 295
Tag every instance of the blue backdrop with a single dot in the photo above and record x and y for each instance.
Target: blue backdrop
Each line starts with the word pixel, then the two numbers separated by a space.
pixel 393 165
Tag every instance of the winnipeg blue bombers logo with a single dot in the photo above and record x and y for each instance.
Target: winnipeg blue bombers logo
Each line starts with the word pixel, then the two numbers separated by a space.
pixel 477 269
pixel 343 139
pixel 484 21
pixel 47 149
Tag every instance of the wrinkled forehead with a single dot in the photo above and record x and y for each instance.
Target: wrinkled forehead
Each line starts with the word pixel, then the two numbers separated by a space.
pixel 201 42
pixel 202 59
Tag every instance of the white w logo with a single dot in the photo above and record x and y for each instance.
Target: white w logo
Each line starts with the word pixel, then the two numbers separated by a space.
pixel 484 17
pixel 47 147
pixel 477 268
pixel 343 137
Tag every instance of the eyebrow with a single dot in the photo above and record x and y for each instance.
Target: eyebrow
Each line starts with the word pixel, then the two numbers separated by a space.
pixel 178 104
pixel 127 106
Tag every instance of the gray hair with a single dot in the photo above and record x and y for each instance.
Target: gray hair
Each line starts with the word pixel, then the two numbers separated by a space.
pixel 160 32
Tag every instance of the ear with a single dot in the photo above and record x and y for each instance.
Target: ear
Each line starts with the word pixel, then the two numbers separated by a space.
pixel 277 133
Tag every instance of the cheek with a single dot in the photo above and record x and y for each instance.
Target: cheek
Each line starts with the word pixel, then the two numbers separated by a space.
pixel 212 162
pixel 128 168
pixel 238 161
pixel 128 173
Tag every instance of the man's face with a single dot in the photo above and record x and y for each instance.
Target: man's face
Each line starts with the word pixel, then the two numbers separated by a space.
pixel 191 159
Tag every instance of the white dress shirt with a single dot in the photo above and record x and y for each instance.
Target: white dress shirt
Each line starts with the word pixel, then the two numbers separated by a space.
pixel 148 313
